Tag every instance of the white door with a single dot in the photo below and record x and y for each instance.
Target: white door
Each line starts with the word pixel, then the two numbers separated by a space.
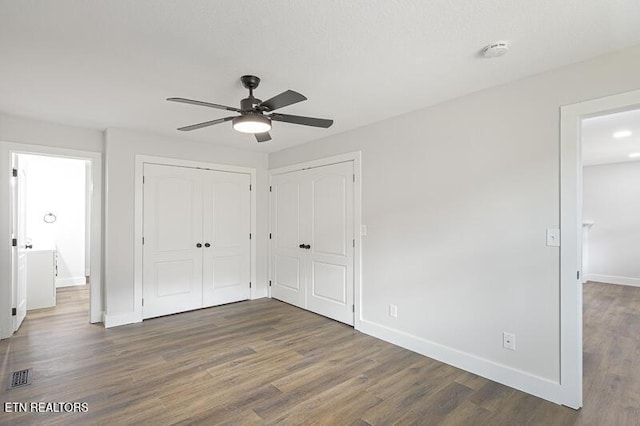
pixel 19 251
pixel 312 240
pixel 329 260
pixel 226 251
pixel 172 250
pixel 287 231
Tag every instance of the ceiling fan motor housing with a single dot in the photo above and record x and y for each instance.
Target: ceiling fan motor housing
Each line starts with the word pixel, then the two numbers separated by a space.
pixel 248 104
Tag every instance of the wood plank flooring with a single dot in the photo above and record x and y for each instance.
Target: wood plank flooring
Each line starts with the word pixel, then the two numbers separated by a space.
pixel 266 362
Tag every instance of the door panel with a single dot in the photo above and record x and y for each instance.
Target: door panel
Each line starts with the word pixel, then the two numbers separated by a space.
pixel 286 237
pixel 331 234
pixel 172 263
pixel 329 212
pixel 19 219
pixel 227 212
pixel 288 272
pixel 330 282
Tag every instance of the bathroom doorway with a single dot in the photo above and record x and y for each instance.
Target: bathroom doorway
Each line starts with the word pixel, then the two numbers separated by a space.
pixel 56 222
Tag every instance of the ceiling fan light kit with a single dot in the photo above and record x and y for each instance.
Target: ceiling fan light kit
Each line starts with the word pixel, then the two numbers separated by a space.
pixel 252 118
pixel 252 123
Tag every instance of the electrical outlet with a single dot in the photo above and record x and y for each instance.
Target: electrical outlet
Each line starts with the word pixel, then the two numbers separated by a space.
pixel 509 341
pixel 393 311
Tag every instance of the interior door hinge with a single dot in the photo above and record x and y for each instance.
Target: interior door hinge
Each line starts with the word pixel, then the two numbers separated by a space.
pixel 15 172
pixel 249 187
pixel 354 242
pixel 143 301
pixel 269 283
pixel 143 180
pixel 270 188
pixel 249 235
pixel 14 312
pixel 249 284
pixel 354 177
pixel 578 275
pixel 14 242
pixel 142 240
pixel 269 235
pixel 353 308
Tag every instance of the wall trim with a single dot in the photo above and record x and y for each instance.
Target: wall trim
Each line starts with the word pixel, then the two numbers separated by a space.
pixel 140 160
pixel 612 279
pixel 115 320
pixel 509 376
pixel 356 158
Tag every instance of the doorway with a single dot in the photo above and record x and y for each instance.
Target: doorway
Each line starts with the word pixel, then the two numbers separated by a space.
pixel 55 201
pixel 51 218
pixel 571 224
pixel 611 198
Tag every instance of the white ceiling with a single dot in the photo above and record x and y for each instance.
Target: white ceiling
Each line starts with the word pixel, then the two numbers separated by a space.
pixel 600 147
pixel 111 63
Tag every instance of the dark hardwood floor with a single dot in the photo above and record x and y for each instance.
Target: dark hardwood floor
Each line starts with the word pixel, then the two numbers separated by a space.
pixel 265 362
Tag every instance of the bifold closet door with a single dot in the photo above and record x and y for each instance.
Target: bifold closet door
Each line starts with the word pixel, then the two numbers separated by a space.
pixel 226 251
pixel 172 262
pixel 312 221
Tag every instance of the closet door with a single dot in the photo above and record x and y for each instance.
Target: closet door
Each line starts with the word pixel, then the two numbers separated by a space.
pixel 312 240
pixel 329 260
pixel 172 262
pixel 226 244
pixel 286 237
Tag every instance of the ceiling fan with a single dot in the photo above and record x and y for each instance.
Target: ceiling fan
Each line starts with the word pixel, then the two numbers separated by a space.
pixel 255 115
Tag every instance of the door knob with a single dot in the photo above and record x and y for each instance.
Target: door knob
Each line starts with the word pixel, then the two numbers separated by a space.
pixel 198 245
pixel 302 246
pixel 307 246
pixel 207 245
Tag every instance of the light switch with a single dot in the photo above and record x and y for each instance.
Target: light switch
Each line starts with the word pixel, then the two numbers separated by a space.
pixel 553 237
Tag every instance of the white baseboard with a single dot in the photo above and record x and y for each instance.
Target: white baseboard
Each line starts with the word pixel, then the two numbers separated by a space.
pixel 612 279
pixel 69 282
pixel 509 376
pixel 114 320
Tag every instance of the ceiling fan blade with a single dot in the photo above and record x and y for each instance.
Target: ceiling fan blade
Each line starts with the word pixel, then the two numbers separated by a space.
pixel 305 121
pixel 205 124
pixel 201 103
pixel 263 137
pixel 282 100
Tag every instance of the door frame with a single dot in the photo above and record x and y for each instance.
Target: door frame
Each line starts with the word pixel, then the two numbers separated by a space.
pixel 571 117
pixel 354 157
pixel 7 150
pixel 140 161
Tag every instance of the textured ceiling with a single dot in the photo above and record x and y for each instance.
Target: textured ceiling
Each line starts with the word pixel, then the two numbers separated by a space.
pixel 111 63
pixel 600 147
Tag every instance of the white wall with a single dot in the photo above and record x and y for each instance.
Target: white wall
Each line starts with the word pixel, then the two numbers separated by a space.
pixel 457 198
pixel 29 131
pixel 611 200
pixel 121 147
pixel 58 186
pixel 36 132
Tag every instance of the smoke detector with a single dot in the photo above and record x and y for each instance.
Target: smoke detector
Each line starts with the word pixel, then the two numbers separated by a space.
pixel 494 50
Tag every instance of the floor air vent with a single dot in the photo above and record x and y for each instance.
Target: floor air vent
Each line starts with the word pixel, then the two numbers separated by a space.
pixel 20 378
